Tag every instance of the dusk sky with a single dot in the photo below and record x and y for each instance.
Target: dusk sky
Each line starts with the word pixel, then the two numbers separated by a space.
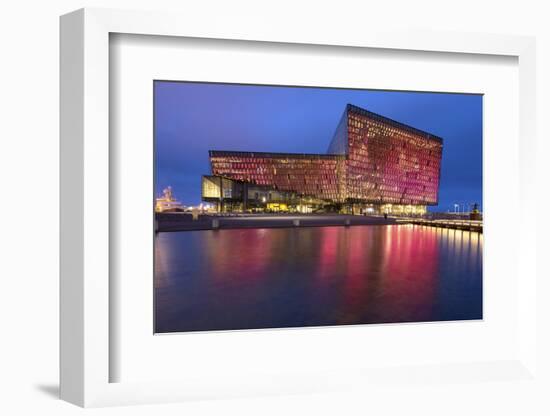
pixel 192 118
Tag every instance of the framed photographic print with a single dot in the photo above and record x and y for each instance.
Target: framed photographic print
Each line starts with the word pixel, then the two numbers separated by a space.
pixel 273 212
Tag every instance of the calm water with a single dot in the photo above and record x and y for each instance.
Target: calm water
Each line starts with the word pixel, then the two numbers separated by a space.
pixel 265 278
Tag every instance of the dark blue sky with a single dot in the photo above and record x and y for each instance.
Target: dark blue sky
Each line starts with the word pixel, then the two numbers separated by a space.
pixel 192 118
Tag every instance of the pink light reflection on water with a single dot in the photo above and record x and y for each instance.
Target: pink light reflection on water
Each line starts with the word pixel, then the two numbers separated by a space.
pixel 264 278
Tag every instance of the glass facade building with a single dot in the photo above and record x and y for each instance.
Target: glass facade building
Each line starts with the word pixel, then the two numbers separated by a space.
pixel 372 162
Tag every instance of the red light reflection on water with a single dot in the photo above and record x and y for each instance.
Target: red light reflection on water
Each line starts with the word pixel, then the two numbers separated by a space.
pixel 242 254
pixel 409 276
pixel 258 278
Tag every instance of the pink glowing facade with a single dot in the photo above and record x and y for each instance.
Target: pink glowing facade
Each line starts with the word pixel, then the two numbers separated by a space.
pixel 370 160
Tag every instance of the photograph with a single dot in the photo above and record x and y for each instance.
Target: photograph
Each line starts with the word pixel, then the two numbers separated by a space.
pixel 283 206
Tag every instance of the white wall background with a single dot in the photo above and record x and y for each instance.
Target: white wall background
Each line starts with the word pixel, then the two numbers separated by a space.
pixel 29 204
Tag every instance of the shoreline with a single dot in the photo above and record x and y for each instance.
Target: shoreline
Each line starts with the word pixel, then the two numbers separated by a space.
pixel 176 222
pixel 184 222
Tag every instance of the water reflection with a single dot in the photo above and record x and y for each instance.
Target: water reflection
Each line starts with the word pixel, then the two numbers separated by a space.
pixel 266 278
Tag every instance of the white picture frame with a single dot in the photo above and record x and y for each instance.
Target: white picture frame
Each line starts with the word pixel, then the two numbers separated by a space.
pixel 85 217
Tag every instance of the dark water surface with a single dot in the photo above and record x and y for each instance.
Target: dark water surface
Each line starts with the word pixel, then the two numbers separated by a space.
pixel 292 277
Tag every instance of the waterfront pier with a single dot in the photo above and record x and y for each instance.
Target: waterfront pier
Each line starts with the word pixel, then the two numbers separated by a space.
pixel 466 225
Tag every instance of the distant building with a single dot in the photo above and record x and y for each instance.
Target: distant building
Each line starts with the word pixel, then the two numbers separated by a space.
pixel 373 164
pixel 167 203
pixel 475 214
